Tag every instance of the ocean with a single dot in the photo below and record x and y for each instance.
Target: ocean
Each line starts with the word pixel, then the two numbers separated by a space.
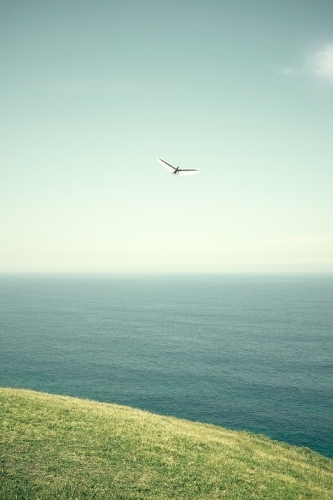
pixel 247 352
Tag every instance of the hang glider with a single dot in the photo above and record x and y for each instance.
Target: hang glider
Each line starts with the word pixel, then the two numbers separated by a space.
pixel 178 171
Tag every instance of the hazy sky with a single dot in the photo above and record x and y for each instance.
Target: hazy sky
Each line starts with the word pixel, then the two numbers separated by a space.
pixel 93 91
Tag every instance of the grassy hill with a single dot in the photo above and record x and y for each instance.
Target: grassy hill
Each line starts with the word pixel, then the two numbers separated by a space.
pixel 55 447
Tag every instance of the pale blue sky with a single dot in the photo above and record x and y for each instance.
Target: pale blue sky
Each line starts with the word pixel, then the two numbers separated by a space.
pixel 93 92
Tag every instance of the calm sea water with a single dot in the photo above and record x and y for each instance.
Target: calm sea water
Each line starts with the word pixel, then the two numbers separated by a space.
pixel 244 352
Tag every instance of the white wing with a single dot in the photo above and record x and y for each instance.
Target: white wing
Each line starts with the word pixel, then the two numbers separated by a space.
pixel 178 171
pixel 189 171
pixel 166 165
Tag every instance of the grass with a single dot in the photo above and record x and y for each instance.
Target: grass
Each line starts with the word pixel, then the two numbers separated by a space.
pixel 55 447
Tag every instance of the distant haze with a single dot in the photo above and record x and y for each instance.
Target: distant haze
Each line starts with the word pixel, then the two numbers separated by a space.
pixel 93 92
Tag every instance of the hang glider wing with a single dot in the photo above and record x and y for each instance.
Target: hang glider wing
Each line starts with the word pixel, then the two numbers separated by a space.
pixel 166 165
pixel 188 171
pixel 178 171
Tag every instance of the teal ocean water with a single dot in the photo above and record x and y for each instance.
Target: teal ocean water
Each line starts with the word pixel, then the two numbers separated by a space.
pixel 244 352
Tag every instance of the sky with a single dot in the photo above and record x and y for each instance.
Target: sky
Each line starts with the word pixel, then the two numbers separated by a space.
pixel 92 92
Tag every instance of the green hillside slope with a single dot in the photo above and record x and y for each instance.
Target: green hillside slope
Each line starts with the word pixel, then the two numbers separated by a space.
pixel 55 447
